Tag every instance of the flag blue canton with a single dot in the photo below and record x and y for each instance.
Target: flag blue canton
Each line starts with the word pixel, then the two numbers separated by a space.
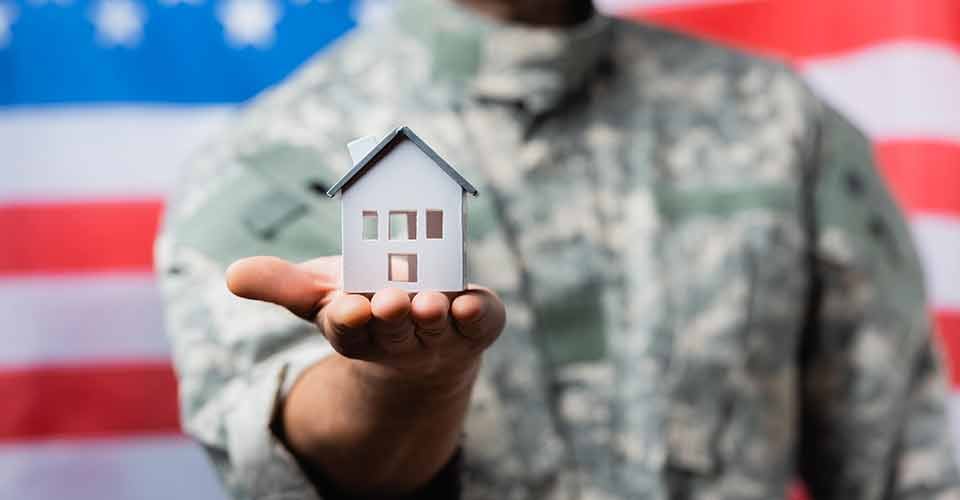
pixel 169 51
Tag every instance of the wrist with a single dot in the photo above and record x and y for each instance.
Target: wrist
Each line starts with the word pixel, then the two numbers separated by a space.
pixel 368 428
pixel 392 383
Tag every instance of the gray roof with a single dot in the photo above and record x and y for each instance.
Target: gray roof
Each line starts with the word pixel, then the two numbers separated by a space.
pixel 384 147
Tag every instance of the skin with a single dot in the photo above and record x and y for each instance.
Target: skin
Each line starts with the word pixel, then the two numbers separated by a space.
pixel 384 414
pixel 534 12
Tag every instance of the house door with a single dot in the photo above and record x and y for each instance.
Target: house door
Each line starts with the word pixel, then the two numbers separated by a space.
pixel 402 267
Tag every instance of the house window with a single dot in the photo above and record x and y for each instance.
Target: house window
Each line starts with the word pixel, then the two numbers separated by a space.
pixel 402 267
pixel 369 224
pixel 434 224
pixel 403 225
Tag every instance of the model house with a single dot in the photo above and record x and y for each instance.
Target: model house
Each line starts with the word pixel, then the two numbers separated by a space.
pixel 402 217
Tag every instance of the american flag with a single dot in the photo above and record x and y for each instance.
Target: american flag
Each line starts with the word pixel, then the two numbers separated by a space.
pixel 101 101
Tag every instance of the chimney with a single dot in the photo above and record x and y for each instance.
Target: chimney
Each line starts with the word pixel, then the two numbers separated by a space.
pixel 360 147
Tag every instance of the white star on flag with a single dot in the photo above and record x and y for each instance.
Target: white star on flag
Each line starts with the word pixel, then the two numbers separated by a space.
pixel 249 22
pixel 8 14
pixel 119 22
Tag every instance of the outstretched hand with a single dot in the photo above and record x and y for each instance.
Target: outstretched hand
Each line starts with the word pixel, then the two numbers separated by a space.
pixel 386 414
pixel 426 334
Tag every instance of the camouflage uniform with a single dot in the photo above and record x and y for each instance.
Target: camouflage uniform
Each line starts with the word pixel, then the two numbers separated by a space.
pixel 709 290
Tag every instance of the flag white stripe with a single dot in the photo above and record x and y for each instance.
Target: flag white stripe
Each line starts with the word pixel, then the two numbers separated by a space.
pixel 894 90
pixel 901 90
pixel 953 408
pixel 97 151
pixel 145 468
pixel 94 318
pixel 938 241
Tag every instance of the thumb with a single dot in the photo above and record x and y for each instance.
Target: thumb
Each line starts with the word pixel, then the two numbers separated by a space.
pixel 303 289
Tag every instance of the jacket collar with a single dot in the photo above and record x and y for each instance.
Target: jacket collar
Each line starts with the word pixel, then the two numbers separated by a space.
pixel 478 58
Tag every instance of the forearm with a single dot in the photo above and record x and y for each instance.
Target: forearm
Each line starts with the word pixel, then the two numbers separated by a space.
pixel 371 431
pixel 383 415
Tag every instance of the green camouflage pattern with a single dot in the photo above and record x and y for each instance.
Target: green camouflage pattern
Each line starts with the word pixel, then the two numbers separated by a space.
pixel 709 290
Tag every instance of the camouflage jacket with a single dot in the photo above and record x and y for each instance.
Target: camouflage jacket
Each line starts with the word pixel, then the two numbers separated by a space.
pixel 709 290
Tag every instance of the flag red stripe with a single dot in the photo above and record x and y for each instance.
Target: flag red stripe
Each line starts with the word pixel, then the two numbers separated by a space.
pixel 110 399
pixel 798 491
pixel 948 329
pixel 811 28
pixel 78 237
pixel 923 175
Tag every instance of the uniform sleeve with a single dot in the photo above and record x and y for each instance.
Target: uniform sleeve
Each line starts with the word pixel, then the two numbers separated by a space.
pixel 235 359
pixel 873 413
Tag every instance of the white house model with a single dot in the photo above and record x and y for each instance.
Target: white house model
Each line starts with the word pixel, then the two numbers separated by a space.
pixel 402 217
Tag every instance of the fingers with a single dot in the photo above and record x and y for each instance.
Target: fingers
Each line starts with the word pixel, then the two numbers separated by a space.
pixel 391 326
pixel 478 314
pixel 430 314
pixel 367 329
pixel 388 324
pixel 345 322
pixel 303 289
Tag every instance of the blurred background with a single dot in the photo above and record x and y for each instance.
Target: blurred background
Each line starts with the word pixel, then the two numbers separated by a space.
pixel 102 101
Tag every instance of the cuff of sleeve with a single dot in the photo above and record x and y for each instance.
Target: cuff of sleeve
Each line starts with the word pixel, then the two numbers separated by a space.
pixel 263 467
pixel 445 485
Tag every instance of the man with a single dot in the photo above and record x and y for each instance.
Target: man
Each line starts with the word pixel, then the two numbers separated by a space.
pixel 704 290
